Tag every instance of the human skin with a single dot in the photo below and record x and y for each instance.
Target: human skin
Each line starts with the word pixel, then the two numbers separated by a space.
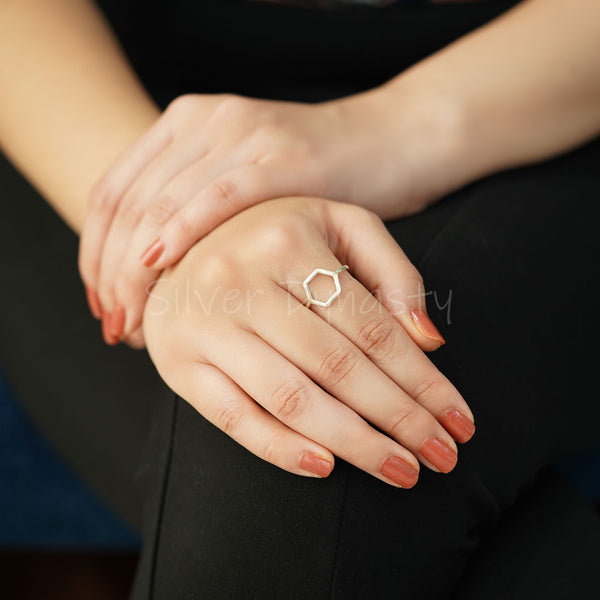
pixel 94 110
pixel 289 382
pixel 505 95
pixel 448 120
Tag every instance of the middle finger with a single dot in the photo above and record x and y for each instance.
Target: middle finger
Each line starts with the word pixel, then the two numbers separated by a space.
pixel 361 318
pixel 340 367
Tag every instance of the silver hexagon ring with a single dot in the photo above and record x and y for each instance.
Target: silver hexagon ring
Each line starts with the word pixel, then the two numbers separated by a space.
pixel 335 275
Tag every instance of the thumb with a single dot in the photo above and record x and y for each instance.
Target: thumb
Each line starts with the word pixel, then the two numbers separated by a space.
pixel 363 242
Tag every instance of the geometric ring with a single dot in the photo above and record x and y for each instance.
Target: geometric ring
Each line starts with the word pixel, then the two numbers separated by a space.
pixel 335 275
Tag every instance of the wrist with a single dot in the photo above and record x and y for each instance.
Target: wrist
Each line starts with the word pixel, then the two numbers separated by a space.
pixel 403 146
pixel 424 133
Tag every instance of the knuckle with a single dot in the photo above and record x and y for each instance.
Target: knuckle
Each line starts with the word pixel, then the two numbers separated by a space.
pixel 370 216
pixel 182 224
pixel 268 132
pixel 220 271
pixel 336 365
pixel 225 192
pixel 401 421
pixel 363 215
pixel 160 211
pixel 425 389
pixel 233 105
pixel 416 278
pixel 129 212
pixel 279 236
pixel 272 450
pixel 290 401
pixel 348 448
pixel 377 339
pixel 352 442
pixel 229 416
pixel 100 196
pixel 181 104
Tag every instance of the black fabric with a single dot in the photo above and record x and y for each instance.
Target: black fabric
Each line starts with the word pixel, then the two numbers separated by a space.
pixel 544 547
pixel 279 51
pixel 519 347
pixel 92 402
pixel 517 252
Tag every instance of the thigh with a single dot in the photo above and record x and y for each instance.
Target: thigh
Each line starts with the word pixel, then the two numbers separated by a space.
pixel 512 284
pixel 515 255
pixel 93 403
pixel 546 546
pixel 512 261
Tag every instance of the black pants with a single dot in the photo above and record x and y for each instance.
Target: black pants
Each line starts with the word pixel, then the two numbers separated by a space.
pixel 511 264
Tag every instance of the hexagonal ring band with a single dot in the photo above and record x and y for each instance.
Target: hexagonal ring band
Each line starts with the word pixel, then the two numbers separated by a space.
pixel 335 275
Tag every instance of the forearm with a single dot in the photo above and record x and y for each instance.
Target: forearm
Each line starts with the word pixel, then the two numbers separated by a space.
pixel 518 90
pixel 69 103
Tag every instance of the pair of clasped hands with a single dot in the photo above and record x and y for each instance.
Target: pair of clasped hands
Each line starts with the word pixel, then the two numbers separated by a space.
pixel 197 242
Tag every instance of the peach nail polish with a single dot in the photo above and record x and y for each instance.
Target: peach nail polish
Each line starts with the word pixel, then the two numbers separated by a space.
pixel 400 471
pixel 117 321
pixel 459 426
pixel 93 303
pixel 425 325
pixel 152 253
pixel 109 338
pixel 439 455
pixel 315 464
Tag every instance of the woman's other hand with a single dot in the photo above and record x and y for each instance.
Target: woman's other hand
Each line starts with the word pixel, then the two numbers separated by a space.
pixel 229 330
pixel 210 156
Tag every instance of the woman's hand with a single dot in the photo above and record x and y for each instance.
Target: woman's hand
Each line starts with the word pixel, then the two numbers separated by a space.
pixel 229 330
pixel 209 157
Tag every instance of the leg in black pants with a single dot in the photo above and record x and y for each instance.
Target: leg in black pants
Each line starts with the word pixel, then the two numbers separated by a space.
pixel 517 251
pixel 518 259
pixel 223 524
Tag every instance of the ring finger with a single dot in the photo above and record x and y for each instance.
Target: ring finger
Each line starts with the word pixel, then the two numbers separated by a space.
pixel 358 315
pixel 333 361
pixel 290 395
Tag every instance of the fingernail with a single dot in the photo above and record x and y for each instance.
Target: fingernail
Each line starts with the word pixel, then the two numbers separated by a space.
pixel 152 253
pixel 117 321
pixel 93 302
pixel 109 338
pixel 315 464
pixel 425 325
pixel 439 454
pixel 459 426
pixel 400 471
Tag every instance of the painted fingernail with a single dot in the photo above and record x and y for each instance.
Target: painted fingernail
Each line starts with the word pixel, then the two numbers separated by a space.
pixel 152 253
pixel 459 426
pixel 400 471
pixel 109 338
pixel 117 321
pixel 439 455
pixel 425 325
pixel 315 464
pixel 93 303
